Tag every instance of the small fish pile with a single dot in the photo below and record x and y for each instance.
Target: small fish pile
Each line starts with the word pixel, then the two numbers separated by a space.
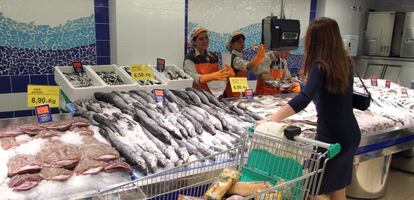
pixel 389 108
pixel 156 81
pixel 391 102
pixel 79 80
pixel 57 151
pixel 149 82
pixel 111 78
pixel 174 75
pixel 188 126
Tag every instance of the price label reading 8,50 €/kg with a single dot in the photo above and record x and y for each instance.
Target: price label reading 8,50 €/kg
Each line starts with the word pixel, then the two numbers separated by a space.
pixel 41 94
pixel 141 72
pixel 238 84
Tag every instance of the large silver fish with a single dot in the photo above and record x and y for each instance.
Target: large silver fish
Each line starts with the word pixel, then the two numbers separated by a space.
pixel 190 148
pixel 172 98
pixel 198 128
pixel 125 96
pixel 148 97
pixel 194 97
pixel 152 126
pixel 168 151
pixel 129 153
pixel 187 124
pixel 213 120
pixel 182 95
pixel 115 100
pixel 141 100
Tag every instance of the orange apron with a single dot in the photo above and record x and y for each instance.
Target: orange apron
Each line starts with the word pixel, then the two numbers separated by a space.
pixel 205 68
pixel 228 91
pixel 263 89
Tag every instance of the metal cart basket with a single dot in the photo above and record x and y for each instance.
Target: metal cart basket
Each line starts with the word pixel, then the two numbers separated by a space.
pixel 294 168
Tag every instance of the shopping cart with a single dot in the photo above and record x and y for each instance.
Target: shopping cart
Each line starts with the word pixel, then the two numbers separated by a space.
pixel 294 167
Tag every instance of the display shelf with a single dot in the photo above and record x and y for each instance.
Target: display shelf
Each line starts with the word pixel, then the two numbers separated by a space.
pixel 157 76
pixel 129 83
pixel 176 84
pixel 77 93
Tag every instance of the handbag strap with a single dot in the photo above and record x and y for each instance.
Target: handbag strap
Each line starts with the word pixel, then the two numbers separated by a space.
pixel 363 84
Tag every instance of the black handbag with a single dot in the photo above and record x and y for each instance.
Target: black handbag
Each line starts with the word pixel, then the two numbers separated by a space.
pixel 361 101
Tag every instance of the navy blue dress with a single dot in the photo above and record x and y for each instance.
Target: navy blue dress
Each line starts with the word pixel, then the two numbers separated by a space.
pixel 336 124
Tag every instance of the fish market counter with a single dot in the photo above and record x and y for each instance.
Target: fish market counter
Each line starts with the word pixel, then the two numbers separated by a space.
pixel 51 160
pixel 387 127
pixel 373 159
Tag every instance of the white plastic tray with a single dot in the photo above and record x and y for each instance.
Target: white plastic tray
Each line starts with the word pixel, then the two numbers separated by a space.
pixel 176 84
pixel 77 93
pixel 129 83
pixel 157 76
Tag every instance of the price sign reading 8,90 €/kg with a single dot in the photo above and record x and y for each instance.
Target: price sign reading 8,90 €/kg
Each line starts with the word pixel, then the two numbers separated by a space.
pixel 41 94
pixel 238 84
pixel 141 72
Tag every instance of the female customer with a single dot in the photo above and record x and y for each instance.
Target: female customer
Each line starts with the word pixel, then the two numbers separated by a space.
pixel 330 86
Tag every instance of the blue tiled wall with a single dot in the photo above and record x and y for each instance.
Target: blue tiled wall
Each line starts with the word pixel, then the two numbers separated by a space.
pixel 102 32
pixel 33 63
pixel 312 15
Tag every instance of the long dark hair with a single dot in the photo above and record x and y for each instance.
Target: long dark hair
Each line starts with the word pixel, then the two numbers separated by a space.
pixel 323 44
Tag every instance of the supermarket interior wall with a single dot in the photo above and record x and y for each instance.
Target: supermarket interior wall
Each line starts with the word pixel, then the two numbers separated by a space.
pixel 144 30
pixel 33 41
pixel 350 15
pixel 392 5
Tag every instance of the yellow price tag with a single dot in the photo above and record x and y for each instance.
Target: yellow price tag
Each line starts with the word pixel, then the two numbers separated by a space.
pixel 43 94
pixel 238 84
pixel 141 72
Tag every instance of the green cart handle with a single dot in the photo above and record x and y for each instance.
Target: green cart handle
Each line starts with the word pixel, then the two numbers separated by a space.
pixel 333 149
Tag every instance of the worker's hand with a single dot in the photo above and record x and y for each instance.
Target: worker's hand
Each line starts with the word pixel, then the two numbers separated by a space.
pixel 230 70
pixel 258 59
pixel 218 75
pixel 296 88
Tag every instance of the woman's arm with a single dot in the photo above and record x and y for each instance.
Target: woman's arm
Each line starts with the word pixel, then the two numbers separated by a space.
pixel 300 101
pixel 190 68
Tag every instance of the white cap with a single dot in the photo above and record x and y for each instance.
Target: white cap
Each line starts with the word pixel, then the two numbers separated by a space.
pixel 230 38
pixel 195 32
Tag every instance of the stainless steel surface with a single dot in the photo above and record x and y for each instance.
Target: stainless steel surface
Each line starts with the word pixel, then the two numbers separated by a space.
pixel 407 46
pixel 405 75
pixel 397 34
pixel 369 178
pixel 392 72
pixel 404 161
pixel 379 33
pixel 384 136
pixel 374 70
